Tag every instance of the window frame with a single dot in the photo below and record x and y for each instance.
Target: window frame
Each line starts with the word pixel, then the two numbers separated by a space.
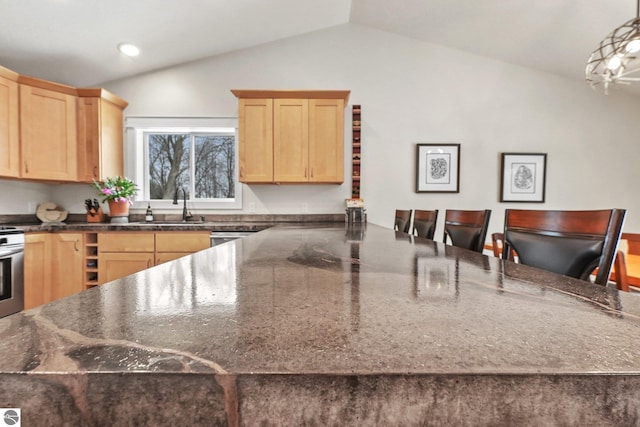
pixel 137 152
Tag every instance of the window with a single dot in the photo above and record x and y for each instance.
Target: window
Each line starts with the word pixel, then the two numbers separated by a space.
pixel 172 161
pixel 202 165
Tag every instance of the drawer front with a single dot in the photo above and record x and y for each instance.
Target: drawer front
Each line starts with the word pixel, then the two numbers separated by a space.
pixel 116 241
pixel 180 241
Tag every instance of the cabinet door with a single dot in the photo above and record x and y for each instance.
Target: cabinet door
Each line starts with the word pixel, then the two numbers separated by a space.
pixel 291 140
pixel 37 269
pixel 9 128
pixel 115 265
pixel 255 135
pixel 66 264
pixel 326 140
pixel 162 257
pixel 100 134
pixel 48 134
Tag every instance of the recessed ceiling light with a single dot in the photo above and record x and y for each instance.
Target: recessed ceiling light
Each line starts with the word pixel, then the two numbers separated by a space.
pixel 128 49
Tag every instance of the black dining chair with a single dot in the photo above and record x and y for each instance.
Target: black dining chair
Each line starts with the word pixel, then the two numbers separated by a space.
pixel 424 223
pixel 572 243
pixel 402 220
pixel 466 229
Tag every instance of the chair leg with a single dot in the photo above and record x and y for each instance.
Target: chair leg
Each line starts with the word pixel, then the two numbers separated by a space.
pixel 622 280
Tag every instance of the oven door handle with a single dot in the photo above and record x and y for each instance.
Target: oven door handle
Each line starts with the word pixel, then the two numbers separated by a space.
pixel 9 252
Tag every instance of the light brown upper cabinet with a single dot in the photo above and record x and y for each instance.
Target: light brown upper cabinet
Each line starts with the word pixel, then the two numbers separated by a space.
pixel 255 132
pixel 100 132
pixel 291 136
pixel 54 132
pixel 47 130
pixel 9 124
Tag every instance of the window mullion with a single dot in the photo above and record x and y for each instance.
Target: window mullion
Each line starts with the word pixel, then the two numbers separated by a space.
pixel 192 166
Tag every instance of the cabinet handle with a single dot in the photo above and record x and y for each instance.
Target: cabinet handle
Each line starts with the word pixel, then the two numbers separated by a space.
pixel 95 171
pixel 311 172
pixel 148 263
pixel 26 166
pixel 75 245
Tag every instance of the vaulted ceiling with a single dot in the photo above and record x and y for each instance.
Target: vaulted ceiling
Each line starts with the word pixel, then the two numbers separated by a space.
pixel 74 41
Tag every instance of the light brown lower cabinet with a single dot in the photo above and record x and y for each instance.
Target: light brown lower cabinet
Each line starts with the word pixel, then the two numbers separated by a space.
pixel 172 245
pixel 126 252
pixel 121 253
pixel 115 265
pixel 52 266
pixel 60 264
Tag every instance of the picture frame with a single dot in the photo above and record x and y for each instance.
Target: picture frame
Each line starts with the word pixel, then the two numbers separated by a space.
pixel 523 177
pixel 438 168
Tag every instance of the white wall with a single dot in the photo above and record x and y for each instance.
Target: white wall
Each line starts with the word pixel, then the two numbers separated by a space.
pixel 21 197
pixel 414 92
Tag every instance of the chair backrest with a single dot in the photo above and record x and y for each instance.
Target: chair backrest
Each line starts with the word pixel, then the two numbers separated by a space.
pixel 402 220
pixel 633 242
pixel 466 229
pixel 572 243
pixel 424 223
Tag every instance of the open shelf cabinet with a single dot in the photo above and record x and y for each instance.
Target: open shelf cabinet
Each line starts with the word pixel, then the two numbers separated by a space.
pixel 90 260
pixel 356 118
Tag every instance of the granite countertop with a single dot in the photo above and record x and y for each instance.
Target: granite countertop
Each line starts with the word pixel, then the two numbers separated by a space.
pixel 77 222
pixel 332 325
pixel 147 226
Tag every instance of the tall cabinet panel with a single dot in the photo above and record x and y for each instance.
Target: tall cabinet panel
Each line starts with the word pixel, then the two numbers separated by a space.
pixel 37 269
pixel 291 140
pixel 326 140
pixel 52 267
pixel 255 134
pixel 100 133
pixel 9 124
pixel 66 264
pixel 48 132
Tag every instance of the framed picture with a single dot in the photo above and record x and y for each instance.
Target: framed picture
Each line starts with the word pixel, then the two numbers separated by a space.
pixel 523 177
pixel 438 168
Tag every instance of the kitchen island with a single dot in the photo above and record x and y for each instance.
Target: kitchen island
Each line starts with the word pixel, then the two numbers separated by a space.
pixel 328 325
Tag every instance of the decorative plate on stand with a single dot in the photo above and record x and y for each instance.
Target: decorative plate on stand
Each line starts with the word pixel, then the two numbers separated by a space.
pixel 50 212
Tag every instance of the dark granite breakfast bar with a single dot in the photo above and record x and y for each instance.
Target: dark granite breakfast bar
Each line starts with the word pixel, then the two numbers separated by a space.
pixel 328 325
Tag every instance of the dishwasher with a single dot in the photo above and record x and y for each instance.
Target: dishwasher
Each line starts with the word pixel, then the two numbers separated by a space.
pixel 220 237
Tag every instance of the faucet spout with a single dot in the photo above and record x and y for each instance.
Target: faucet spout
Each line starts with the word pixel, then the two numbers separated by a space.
pixel 185 212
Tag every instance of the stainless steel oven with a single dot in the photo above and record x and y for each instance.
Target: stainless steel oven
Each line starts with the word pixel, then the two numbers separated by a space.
pixel 11 270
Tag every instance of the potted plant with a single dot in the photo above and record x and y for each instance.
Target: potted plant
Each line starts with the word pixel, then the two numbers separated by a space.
pixel 117 192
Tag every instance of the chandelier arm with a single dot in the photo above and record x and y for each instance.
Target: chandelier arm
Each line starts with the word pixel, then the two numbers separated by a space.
pixel 615 60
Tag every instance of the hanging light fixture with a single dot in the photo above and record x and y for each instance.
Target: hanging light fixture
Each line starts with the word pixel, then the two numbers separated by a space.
pixel 617 59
